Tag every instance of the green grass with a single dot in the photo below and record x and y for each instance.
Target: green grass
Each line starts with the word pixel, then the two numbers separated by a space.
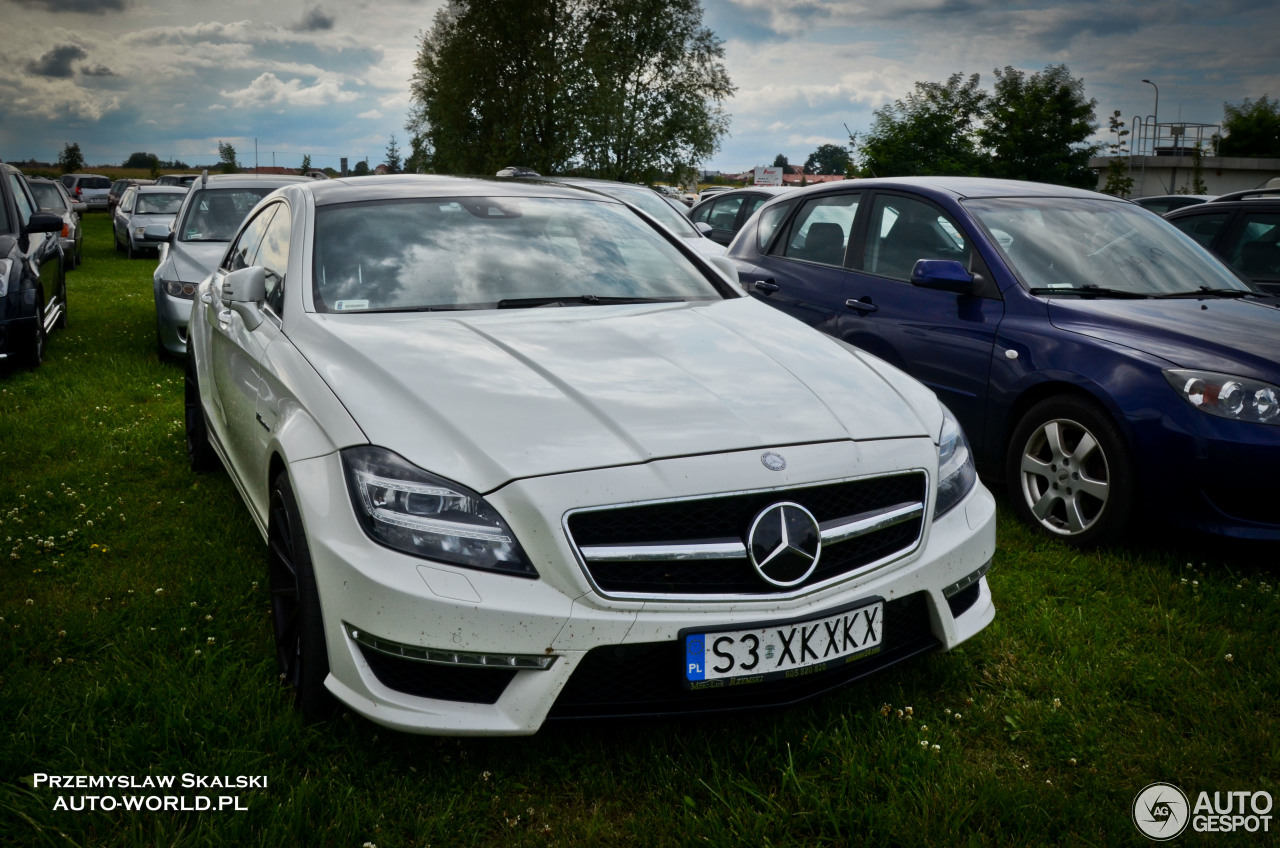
pixel 135 641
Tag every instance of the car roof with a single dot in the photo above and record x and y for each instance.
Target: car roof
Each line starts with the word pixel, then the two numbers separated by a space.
pixel 391 187
pixel 962 187
pixel 160 189
pixel 248 180
pixel 1252 195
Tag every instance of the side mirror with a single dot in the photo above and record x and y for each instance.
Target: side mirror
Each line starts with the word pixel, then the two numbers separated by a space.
pixel 725 266
pixel 243 291
pixel 704 228
pixel 43 222
pixel 943 275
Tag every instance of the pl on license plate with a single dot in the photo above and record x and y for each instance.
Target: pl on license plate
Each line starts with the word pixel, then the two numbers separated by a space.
pixel 772 652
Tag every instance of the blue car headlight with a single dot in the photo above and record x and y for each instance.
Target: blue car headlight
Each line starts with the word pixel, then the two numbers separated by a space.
pixel 1235 398
pixel 956 474
pixel 403 507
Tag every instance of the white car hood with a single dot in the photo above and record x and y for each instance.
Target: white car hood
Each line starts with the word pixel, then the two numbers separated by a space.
pixel 484 398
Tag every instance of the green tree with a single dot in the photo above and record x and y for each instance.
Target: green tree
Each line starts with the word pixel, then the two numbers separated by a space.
pixel 1251 129
pixel 828 159
pixel 625 89
pixel 1119 183
pixel 227 158
pixel 780 161
pixel 930 132
pixel 393 156
pixel 71 159
pixel 142 160
pixel 306 163
pixel 1036 127
pixel 361 169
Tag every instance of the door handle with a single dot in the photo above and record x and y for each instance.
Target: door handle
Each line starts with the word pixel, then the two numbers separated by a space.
pixel 864 306
pixel 766 286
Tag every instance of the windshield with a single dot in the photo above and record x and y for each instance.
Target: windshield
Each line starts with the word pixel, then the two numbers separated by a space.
pixel 649 202
pixel 159 204
pixel 215 214
pixel 1078 245
pixel 480 253
pixel 47 196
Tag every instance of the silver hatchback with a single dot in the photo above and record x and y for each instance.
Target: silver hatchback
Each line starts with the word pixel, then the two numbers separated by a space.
pixel 210 215
pixel 142 209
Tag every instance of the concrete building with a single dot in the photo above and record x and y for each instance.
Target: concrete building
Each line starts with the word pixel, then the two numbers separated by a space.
pixel 1161 161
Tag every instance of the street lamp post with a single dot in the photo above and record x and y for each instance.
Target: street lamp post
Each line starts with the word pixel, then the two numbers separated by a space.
pixel 1155 118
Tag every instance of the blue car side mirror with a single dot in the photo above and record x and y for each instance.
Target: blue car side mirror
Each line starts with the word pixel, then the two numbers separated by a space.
pixel 943 275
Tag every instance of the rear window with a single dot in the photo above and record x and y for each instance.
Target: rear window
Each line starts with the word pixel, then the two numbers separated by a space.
pixel 47 196
pixel 95 182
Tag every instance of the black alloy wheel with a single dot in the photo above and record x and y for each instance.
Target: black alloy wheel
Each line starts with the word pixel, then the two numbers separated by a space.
pixel 33 355
pixel 199 452
pixel 301 657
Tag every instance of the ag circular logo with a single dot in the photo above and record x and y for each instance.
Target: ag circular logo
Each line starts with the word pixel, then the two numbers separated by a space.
pixel 784 544
pixel 1161 812
pixel 773 461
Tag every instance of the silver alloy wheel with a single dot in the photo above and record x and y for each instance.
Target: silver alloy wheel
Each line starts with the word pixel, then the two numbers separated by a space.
pixel 1065 477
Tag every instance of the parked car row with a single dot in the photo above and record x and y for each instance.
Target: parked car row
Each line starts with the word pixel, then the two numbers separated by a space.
pixel 522 453
pixel 523 450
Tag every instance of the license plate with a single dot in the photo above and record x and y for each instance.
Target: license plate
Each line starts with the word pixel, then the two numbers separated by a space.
pixel 781 651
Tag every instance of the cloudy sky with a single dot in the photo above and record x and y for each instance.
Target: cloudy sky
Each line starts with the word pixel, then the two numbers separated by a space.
pixel 174 77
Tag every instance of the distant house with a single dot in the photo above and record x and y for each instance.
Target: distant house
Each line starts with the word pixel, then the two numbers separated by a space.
pixel 272 169
pixel 382 170
pixel 795 175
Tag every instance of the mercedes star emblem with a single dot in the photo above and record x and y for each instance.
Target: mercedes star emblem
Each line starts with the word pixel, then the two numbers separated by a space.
pixel 773 461
pixel 784 544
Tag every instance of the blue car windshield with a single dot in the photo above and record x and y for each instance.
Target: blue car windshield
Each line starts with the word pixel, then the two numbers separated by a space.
pixel 1075 245
pixel 499 252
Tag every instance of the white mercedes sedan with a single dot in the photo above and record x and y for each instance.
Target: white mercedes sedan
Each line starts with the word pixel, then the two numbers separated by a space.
pixel 520 454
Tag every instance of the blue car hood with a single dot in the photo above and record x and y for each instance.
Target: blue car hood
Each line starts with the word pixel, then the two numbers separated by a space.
pixel 1240 337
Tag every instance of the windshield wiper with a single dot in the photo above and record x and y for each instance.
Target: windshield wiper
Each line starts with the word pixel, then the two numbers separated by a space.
pixel 579 300
pixel 1090 290
pixel 1205 291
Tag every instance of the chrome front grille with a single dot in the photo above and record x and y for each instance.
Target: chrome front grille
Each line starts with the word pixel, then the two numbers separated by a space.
pixel 697 547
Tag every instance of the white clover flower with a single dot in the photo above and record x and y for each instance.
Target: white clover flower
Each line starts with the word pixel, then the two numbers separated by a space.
pixel 160 591
pixel 1229 658
pixel 936 748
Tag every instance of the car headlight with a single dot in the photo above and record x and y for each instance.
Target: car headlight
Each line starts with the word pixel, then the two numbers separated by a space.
pixel 6 265
pixel 403 507
pixel 956 474
pixel 1235 398
pixel 139 231
pixel 177 288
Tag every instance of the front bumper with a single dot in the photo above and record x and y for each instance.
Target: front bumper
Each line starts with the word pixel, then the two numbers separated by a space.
pixel 1208 474
pixel 172 316
pixel 596 642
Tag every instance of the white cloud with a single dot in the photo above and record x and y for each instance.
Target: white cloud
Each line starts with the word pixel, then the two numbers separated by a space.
pixel 371 115
pixel 269 90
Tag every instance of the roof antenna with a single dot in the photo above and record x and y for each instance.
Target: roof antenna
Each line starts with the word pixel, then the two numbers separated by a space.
pixel 204 178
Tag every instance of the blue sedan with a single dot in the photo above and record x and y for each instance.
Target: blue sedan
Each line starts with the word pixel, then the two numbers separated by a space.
pixel 1104 365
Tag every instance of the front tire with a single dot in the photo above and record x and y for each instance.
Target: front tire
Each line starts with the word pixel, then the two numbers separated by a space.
pixel 33 354
pixel 199 452
pixel 297 623
pixel 1069 473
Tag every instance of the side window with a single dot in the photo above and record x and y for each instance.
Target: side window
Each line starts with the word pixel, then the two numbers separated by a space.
pixel 1202 228
pixel 126 200
pixel 245 249
pixel 1257 253
pixel 770 219
pixel 20 196
pixel 754 202
pixel 702 213
pixel 903 231
pixel 724 213
pixel 821 229
pixel 273 256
